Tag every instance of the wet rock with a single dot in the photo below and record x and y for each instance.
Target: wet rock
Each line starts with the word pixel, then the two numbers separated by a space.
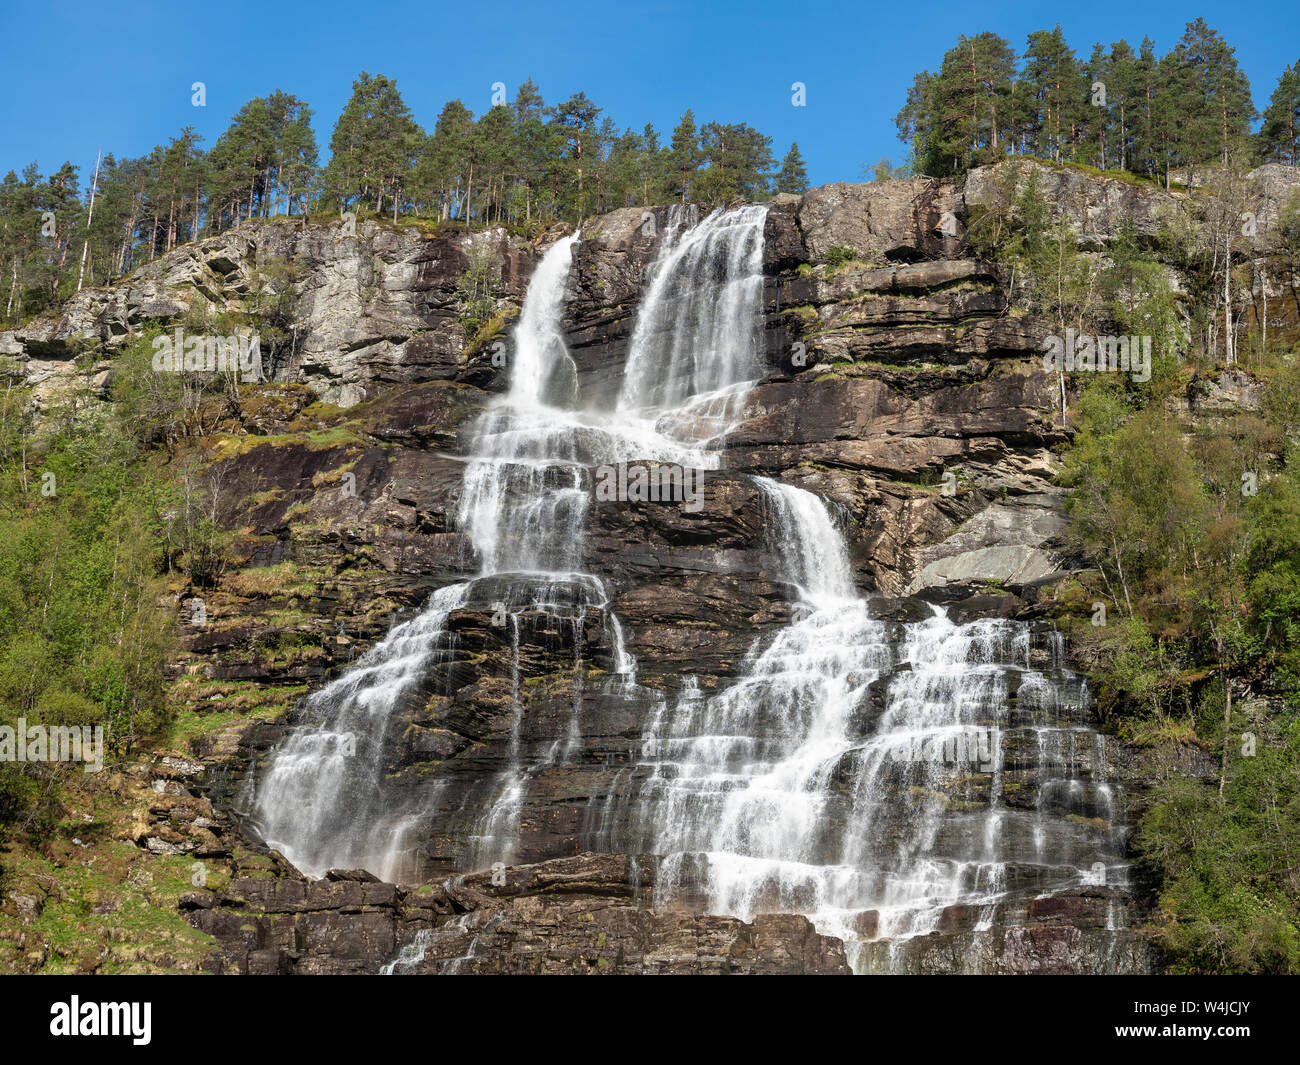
pixel 585 914
pixel 911 368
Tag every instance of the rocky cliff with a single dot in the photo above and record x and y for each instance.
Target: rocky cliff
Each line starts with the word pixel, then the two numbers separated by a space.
pixel 903 388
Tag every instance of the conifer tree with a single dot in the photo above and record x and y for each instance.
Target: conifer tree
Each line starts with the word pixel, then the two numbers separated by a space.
pixel 686 156
pixel 373 148
pixel 1278 135
pixel 793 176
pixel 1055 84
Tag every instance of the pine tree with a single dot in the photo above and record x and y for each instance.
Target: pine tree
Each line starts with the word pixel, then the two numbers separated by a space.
pixel 793 176
pixel 574 122
pixel 59 196
pixel 493 135
pixel 916 126
pixel 738 158
pixel 241 158
pixel 1123 94
pixel 293 151
pixel 1278 136
pixel 445 171
pixel 374 146
pixel 656 180
pixel 516 162
pixel 1209 101
pixel 1055 84
pixel 1095 133
pixel 965 113
pixel 1145 158
pixel 685 156
pixel 20 234
pixel 174 191
pixel 532 143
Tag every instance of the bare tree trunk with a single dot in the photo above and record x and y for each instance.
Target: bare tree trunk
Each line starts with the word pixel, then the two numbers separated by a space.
pixel 90 217
pixel 1263 289
pixel 1229 344
pixel 1119 566
pixel 126 236
pixel 974 103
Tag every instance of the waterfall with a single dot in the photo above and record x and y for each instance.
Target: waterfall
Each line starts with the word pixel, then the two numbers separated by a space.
pixel 696 345
pixel 869 773
pixel 855 770
pixel 810 553
pixel 320 799
pixel 523 506
pixel 543 370
pixel 319 802
pixel 410 955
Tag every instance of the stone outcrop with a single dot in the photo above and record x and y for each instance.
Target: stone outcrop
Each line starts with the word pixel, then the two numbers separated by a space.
pixel 1055 936
pixel 571 916
pixel 1096 206
pixel 372 308
pixel 891 221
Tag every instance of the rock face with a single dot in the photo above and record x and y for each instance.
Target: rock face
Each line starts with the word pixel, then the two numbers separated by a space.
pixel 1096 206
pixel 372 309
pixel 1056 936
pixel 900 387
pixel 1273 185
pixel 571 916
pixel 895 221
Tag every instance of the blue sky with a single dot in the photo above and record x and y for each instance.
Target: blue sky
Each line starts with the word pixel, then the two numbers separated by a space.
pixel 78 76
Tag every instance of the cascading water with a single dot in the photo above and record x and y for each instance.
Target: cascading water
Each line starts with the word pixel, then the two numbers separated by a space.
pixel 856 772
pixel 523 505
pixel 320 800
pixel 697 335
pixel 868 773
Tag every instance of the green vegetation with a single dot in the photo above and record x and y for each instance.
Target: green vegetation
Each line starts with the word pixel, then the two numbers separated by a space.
pixel 83 523
pixel 1187 618
pixel 793 175
pixel 837 257
pixel 1121 109
pixel 520 163
pixel 1228 863
pixel 104 510
pixel 106 908
pixel 1191 526
pixel 1201 583
pixel 478 285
